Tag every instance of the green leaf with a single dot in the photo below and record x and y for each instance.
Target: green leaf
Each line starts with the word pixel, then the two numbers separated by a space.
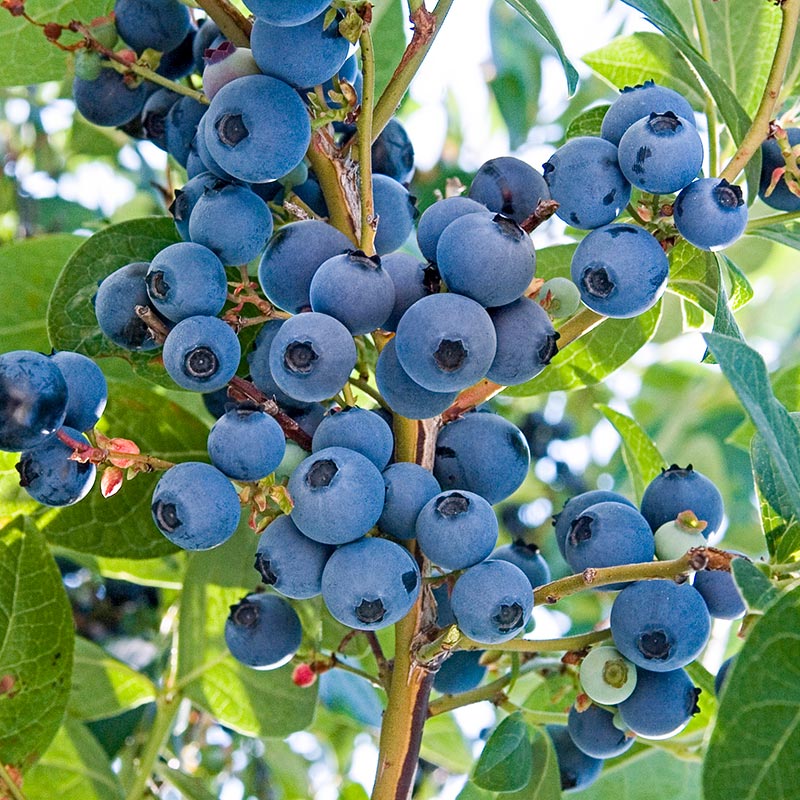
pixel 783 538
pixel 756 588
pixel 533 13
pixel 443 744
pixel 191 788
pixel 660 14
pixel 594 356
pixel 28 271
pixel 388 36
pixel 741 291
pixel 786 233
pixel 641 456
pixel 724 322
pixel 104 687
pixel 631 60
pixel 27 56
pixel 253 702
pixel 587 123
pixel 71 322
pixel 14 500
pixel 122 526
pixel 545 781
pixel 745 370
pixel 754 746
pixel 506 763
pixel 694 274
pixel 36 645
pixel 552 262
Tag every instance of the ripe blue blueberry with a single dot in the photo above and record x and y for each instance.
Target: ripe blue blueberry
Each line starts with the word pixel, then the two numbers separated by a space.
pixel 107 100
pixel 154 115
pixel 719 590
pixel 87 389
pixel 437 217
pixel 412 281
pixel 594 733
pixel 157 24
pixel 356 429
pixel 510 187
pixel 287 12
pixel 722 674
pixel 180 127
pixel 408 488
pixel 575 506
pixel 576 769
pixel 528 558
pixel 185 199
pixel 396 210
pixel 393 153
pixel 771 159
pixel 461 672
pixel 710 213
pixel 661 704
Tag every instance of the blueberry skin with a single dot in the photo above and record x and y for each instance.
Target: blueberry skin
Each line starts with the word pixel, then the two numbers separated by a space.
pixel 461 672
pixel 258 128
pixel 393 153
pixel 312 356
pixel 720 593
pixel 355 289
pixel 180 127
pixel 201 354
pixel 445 342
pixel 412 281
pixel 437 217
pixel 404 395
pixel 577 770
pixel 528 558
pixel 408 488
pixel 287 12
pixel 178 62
pixel 303 55
pixel 710 213
pixel 224 64
pixel 107 100
pixel 594 733
pixel 154 115
pixel 370 584
pixel 606 535
pixel 620 269
pixel 206 39
pixel 660 625
pixel 722 673
pixel 293 255
pixel 195 506
pixel 87 389
pixel 661 704
pixel 33 399
pixel 263 631
pixel 661 153
pixel 158 24
pixel 338 495
pixel 526 342
pixel 771 158
pixel 456 529
pixel 635 102
pixel 50 477
pixel 246 444
pixel 492 601
pixel 115 307
pixel 356 429
pixel 248 223
pixel 396 210
pixel 200 152
pixel 444 611
pixel 584 178
pixel 187 197
pixel 575 506
pixel 186 280
pixel 289 561
pixel 487 257
pixel 483 453
pixel 510 187
pixel 682 489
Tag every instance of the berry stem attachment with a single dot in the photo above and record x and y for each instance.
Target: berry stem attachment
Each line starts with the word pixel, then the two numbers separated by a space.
pixel 122 66
pixel 364 125
pixel 759 129
pixel 102 455
pixel 367 389
pixel 233 25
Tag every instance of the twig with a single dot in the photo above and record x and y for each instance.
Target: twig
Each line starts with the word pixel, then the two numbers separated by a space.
pixel 233 25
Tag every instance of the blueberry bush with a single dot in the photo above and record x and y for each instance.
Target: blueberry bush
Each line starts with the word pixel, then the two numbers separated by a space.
pixel 330 473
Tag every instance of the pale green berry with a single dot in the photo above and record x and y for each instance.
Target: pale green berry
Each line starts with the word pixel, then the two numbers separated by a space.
pixel 607 676
pixel 564 299
pixel 676 537
pixel 293 455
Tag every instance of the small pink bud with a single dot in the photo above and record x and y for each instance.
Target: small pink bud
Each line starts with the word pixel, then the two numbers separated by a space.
pixel 111 481
pixel 303 676
pixel 122 446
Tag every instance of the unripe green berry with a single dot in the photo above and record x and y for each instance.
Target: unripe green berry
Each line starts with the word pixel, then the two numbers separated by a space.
pixel 607 676
pixel 674 538
pixel 88 65
pixel 105 32
pixel 292 456
pixel 564 300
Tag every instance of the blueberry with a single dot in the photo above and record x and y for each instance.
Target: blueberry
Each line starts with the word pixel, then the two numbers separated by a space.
pixel 200 155
pixel 311 194
pixel 187 197
pixel 263 631
pixel 370 584
pixel 722 674
pixel 178 62
pixel 445 342
pixel 408 488
pixel 156 24
pixel 635 102
pixel 287 12
pixel 356 429
pixel 660 625
pixel 560 296
pixel 412 281
pixel 772 159
pixel 404 395
pixel 528 558
pixel 312 356
pixel 674 538
pixel 710 213
pixel 444 611
pixel 289 561
pixel 154 115
pixel 456 529
pixel 396 211
pixel 355 289
pixel 393 153
pixel 492 601
pixel 585 180
pixel 246 444
pixel 224 64
pixel 195 506
pixel 721 594
pixel 483 453
pixel 575 506
pixel 437 217
pixel 87 389
pixel 620 269
pixel 258 128
pixel 594 733
pixel 576 769
pixel 526 342
pixel 337 494
pixel 661 704
pixel 201 354
pixel 186 280
pixel 682 489
pixel 107 100
pixel 487 257
pixel 51 477
pixel 607 676
pixel 180 127
pixel 461 672
pixel 292 257
pixel 661 153
pixel 510 187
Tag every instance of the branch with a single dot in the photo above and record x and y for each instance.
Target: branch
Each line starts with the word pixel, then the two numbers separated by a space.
pixel 233 25
pixel 564 644
pixel 771 219
pixel 368 220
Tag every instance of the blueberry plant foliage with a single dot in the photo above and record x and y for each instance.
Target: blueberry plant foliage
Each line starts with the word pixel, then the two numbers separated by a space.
pixel 440 410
